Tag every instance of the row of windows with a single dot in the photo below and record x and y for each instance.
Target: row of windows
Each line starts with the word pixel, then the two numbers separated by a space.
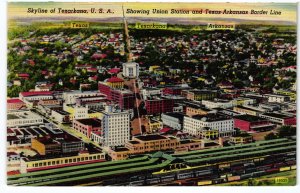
pixel 65 161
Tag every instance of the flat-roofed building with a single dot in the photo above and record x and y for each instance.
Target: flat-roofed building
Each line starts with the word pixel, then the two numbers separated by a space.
pixel 70 97
pixel 149 91
pixel 23 118
pixel 217 103
pixel 143 144
pixel 46 145
pixel 15 104
pixel 198 95
pixel 116 126
pixel 278 98
pixel 60 116
pixel 156 105
pixel 87 126
pixel 241 138
pixel 195 124
pixel 36 95
pixel 246 110
pixel 173 120
pixel 281 119
pixel 154 125
pixel 39 163
pixel 252 123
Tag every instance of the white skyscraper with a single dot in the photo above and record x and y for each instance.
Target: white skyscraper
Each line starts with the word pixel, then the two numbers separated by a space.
pixel 116 127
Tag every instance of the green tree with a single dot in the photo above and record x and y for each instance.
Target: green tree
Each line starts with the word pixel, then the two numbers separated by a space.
pixel 286 131
pixel 271 136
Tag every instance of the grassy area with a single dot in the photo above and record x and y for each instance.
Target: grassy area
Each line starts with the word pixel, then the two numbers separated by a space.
pixel 267 180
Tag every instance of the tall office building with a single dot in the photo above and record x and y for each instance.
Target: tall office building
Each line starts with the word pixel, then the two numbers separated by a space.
pixel 116 126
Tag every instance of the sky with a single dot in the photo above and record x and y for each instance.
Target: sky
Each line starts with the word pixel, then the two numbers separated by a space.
pixel 288 10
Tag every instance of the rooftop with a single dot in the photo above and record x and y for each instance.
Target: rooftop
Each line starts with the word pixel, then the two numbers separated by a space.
pixel 202 91
pixel 277 115
pixel 249 118
pixel 210 117
pixel 115 79
pixel 35 93
pixel 15 100
pixel 91 122
pixel 62 112
pixel 150 137
pixel 179 116
pixel 133 142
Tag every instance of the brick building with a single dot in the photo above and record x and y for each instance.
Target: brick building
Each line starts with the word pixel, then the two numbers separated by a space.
pixel 87 126
pixel 159 105
pixel 252 123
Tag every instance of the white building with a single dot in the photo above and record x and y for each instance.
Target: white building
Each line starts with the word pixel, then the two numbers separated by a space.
pixel 217 104
pixel 277 98
pixel 23 118
pixel 35 96
pixel 173 120
pixel 195 124
pixel 60 116
pixel 70 97
pixel 116 127
pixel 147 92
pixel 131 69
pixel 225 104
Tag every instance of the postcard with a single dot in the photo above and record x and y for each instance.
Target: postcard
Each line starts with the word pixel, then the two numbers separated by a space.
pixel 151 94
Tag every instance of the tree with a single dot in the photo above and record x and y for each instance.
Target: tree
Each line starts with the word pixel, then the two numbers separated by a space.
pixel 286 131
pixel 271 136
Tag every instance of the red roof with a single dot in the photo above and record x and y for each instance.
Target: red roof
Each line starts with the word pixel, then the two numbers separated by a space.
pixel 13 172
pixel 114 70
pixel 23 75
pixel 35 93
pixel 115 79
pixel 44 72
pixel 14 101
pixel 92 69
pixel 164 130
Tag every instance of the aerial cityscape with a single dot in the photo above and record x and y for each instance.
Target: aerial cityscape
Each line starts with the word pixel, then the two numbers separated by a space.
pixel 111 104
